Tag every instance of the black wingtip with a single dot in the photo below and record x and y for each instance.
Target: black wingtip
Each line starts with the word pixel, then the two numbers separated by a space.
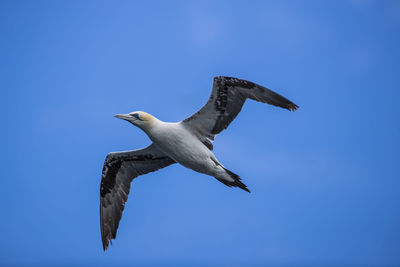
pixel 292 107
pixel 271 97
pixel 280 101
pixel 105 244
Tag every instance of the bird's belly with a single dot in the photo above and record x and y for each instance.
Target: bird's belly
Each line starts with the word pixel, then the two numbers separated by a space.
pixel 187 151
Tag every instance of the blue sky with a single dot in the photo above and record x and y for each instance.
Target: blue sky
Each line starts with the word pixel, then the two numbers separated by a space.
pixel 324 180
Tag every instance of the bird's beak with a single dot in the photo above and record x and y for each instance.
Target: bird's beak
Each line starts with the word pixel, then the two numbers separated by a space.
pixel 122 116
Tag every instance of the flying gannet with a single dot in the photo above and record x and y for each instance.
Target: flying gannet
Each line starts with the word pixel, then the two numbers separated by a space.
pixel 188 142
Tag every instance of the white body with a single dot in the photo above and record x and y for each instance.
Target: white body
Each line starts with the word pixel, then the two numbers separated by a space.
pixel 183 146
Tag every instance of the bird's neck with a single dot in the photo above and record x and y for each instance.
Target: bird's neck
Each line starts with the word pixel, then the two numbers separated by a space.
pixel 152 124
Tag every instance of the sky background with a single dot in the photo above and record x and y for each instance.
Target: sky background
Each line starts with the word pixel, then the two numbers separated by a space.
pixel 325 180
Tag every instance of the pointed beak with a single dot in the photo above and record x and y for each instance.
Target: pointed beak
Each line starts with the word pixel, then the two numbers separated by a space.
pixel 122 116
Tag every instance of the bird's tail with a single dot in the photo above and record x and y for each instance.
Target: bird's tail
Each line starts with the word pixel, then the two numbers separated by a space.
pixel 236 180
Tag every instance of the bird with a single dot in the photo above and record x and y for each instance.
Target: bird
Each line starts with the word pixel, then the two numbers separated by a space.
pixel 188 142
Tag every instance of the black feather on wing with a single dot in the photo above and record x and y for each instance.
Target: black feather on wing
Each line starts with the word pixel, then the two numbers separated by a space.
pixel 119 169
pixel 227 98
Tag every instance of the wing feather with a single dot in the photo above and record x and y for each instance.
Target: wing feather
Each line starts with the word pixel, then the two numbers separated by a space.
pixel 119 169
pixel 226 101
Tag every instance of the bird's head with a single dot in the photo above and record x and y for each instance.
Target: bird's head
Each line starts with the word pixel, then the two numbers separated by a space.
pixel 137 118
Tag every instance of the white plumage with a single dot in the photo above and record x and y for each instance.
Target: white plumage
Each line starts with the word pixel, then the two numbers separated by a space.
pixel 189 143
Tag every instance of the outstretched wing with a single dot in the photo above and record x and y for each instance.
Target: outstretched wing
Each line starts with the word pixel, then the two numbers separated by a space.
pixel 227 98
pixel 119 169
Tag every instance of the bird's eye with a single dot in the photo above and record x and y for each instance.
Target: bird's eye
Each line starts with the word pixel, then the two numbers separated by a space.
pixel 136 116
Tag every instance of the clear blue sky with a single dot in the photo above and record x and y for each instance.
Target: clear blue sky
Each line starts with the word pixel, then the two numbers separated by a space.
pixel 325 180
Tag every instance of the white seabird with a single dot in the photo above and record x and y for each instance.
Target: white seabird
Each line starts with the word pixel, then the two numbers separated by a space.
pixel 188 142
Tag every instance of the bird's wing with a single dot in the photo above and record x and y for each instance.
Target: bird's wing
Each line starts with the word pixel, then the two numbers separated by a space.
pixel 227 98
pixel 119 169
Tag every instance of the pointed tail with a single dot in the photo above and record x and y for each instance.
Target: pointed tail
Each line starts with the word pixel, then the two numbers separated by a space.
pixel 236 180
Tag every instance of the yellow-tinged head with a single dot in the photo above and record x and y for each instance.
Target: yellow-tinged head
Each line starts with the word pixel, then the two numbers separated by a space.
pixel 137 118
